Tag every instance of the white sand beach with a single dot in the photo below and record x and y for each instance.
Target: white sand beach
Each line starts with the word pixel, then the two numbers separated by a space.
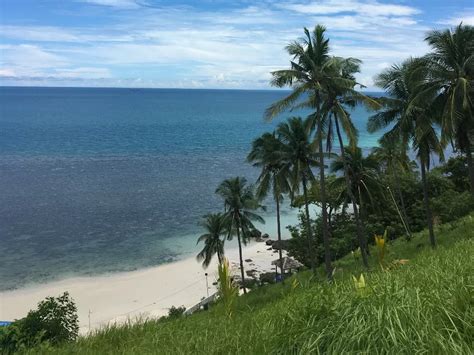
pixel 131 295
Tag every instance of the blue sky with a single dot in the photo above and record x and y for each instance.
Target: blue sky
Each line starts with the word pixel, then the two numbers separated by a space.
pixel 202 44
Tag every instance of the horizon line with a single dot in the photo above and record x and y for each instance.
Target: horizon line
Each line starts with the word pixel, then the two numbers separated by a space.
pixel 149 88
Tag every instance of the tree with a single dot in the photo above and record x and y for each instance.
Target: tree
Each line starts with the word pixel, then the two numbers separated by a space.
pixel 412 119
pixel 240 205
pixel 311 72
pixel 267 154
pixel 342 94
pixel 298 157
pixel 449 87
pixel 54 321
pixel 363 178
pixel 214 224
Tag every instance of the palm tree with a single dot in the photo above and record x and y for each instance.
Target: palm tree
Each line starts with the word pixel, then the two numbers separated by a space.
pixel 412 120
pixel 363 178
pixel 267 154
pixel 311 72
pixel 298 157
pixel 450 87
pixel 392 155
pixel 214 224
pixel 240 205
pixel 342 94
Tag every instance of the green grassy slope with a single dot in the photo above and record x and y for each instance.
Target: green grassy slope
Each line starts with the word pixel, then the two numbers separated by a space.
pixel 424 306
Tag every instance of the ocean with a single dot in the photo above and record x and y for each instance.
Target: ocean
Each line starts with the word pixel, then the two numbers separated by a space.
pixel 99 180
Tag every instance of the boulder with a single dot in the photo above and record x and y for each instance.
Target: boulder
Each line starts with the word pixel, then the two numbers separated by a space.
pixel 265 236
pixel 280 244
pixel 269 242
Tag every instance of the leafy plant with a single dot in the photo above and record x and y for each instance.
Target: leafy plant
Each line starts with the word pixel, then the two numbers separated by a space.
pixel 380 243
pixel 54 321
pixel 228 290
pixel 175 312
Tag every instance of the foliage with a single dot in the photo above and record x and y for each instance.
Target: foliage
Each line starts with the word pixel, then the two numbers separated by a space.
pixel 424 306
pixel 343 239
pixel 54 321
pixel 228 290
pixel 456 170
pixel 213 239
pixel 175 312
pixel 240 206
pixel 381 244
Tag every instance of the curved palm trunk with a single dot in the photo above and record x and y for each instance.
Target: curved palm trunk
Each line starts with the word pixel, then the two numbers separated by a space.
pixel 402 202
pixel 277 200
pixel 241 259
pixel 429 216
pixel 308 224
pixel 361 233
pixel 470 165
pixel 322 183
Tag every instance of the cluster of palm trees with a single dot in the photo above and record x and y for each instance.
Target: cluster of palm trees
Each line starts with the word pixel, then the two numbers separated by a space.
pixel 430 95
pixel 426 96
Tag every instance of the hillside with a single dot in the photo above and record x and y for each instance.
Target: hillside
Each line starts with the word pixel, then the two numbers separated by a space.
pixel 423 305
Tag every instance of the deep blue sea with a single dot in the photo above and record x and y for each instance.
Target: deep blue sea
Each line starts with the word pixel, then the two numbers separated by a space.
pixel 105 180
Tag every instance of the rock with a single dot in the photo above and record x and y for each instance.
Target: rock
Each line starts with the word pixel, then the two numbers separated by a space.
pixel 269 248
pixel 248 260
pixel 283 244
pixel 269 242
pixel 265 236
pixel 251 273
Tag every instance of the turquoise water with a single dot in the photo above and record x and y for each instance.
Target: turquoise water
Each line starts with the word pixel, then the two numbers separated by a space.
pixel 107 180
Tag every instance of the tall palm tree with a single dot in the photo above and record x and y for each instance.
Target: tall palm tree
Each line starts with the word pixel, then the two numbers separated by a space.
pixel 311 72
pixel 213 239
pixel 450 87
pixel 267 153
pixel 342 95
pixel 240 205
pixel 298 157
pixel 392 155
pixel 412 120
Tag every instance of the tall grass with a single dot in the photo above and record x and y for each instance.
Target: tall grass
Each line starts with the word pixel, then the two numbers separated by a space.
pixel 424 306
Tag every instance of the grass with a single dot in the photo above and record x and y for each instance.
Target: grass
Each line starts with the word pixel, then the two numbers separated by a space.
pixel 424 306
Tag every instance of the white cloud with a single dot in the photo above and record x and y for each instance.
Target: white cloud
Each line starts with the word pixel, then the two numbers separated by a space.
pixel 331 7
pixel 186 47
pixel 123 4
pixel 467 19
pixel 29 56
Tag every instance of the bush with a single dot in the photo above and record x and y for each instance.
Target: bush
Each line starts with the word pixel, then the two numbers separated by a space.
pixel 452 205
pixel 54 321
pixel 175 312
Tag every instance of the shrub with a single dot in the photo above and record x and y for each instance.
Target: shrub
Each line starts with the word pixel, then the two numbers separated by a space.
pixel 54 321
pixel 175 312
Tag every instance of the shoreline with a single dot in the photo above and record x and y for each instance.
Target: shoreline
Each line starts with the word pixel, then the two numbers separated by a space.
pixel 144 293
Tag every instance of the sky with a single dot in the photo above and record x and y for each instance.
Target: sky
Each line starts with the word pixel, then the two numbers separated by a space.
pixel 223 44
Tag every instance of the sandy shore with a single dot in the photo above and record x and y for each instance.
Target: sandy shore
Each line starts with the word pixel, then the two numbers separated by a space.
pixel 144 293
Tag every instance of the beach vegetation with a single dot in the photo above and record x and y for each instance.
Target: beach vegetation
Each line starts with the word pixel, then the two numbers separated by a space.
pixel 175 312
pixel 311 72
pixel 267 154
pixel 54 321
pixel 228 290
pixel 214 238
pixel 240 211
